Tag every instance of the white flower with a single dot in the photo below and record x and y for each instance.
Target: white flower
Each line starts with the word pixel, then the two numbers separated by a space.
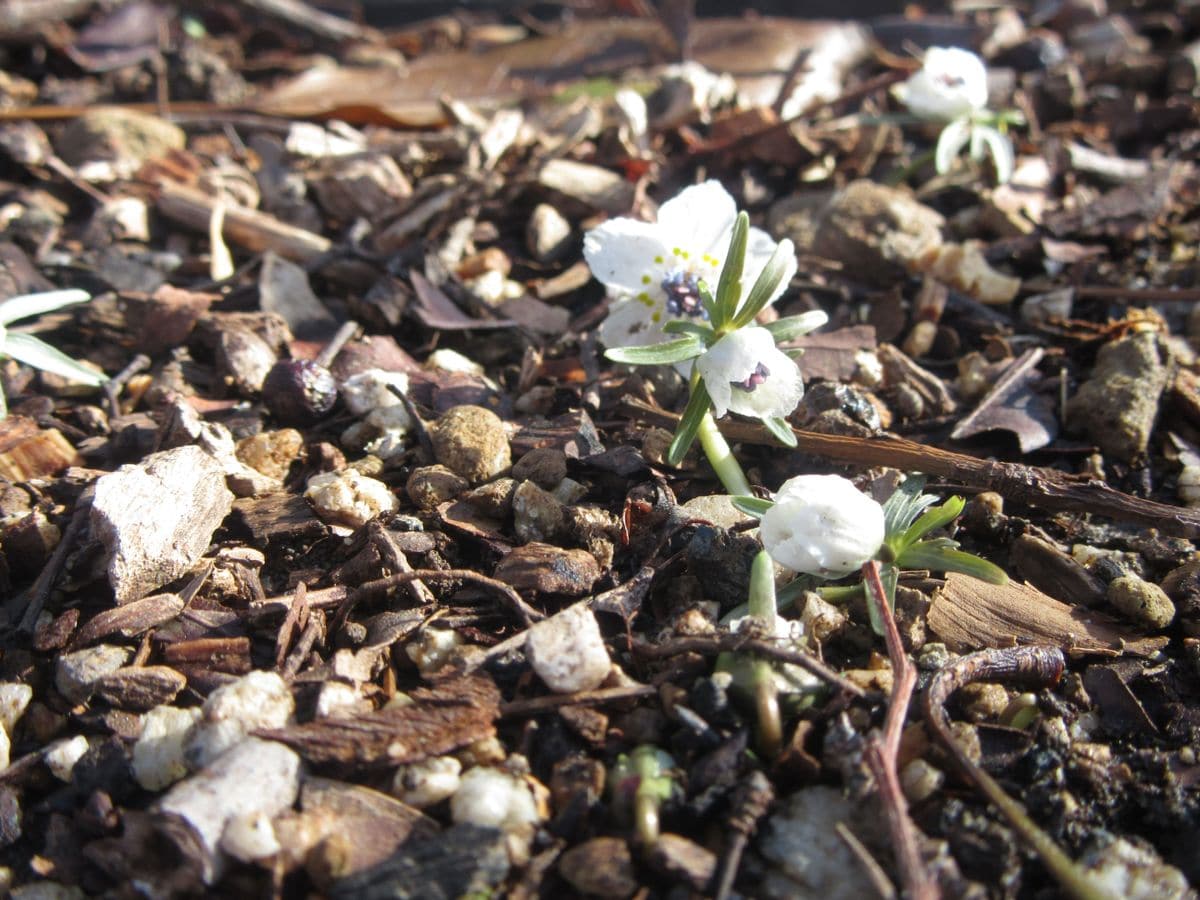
pixel 745 372
pixel 984 140
pixel 950 83
pixel 652 268
pixel 822 525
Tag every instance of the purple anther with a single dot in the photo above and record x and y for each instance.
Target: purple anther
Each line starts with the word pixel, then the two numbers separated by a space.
pixel 754 379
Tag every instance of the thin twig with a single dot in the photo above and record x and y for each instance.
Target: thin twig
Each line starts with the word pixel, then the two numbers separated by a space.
pixel 882 753
pixel 751 801
pixel 583 698
pixel 736 643
pixel 39 591
pixel 1029 665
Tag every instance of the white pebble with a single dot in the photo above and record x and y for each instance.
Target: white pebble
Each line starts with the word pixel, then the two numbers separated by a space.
pixel 369 390
pixel 349 498
pixel 158 758
pixel 338 700
pixel 494 799
pixel 568 652
pixel 5 750
pixel 250 837
pixel 256 700
pixel 427 782
pixel 452 361
pixel 1189 486
pixel 61 756
pixel 432 649
pixel 14 697
pixel 77 672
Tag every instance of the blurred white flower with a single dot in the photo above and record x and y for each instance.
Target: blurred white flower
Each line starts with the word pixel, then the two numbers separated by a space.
pixel 745 372
pixel 822 525
pixel 653 269
pixel 984 141
pixel 950 83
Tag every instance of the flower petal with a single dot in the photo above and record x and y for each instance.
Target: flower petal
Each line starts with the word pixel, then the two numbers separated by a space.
pixel 950 83
pixel 950 143
pixel 759 249
pixel 1001 149
pixel 731 359
pixel 822 525
pixel 777 396
pixel 633 323
pixel 699 219
pixel 622 254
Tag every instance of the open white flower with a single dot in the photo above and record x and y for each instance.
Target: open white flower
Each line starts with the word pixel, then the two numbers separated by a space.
pixel 950 83
pixel 653 269
pixel 822 525
pixel 745 372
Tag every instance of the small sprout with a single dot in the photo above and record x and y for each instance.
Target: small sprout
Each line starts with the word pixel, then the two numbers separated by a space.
pixel 640 782
pixel 35 352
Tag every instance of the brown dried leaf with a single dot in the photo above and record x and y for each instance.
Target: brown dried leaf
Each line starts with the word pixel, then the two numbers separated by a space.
pixel 1012 405
pixel 453 714
pixel 968 614
pixel 131 619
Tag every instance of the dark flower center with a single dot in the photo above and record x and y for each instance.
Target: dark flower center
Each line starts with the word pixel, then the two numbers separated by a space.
pixel 683 295
pixel 950 80
pixel 754 379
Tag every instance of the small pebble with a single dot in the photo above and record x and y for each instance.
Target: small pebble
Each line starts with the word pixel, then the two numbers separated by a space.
pixel 494 498
pixel 447 360
pixel 14 697
pixel 715 509
pixel 372 390
pixel 544 466
pixel 338 700
pixel 5 750
pixel 495 799
pixel 61 756
pixel 537 514
pixel 158 755
pixel 432 649
pixel 271 452
pixel 77 673
pixel 983 700
pixel 472 442
pixel 349 499
pixel 255 701
pixel 545 569
pixel 600 867
pixel 548 233
pixel 428 782
pixel 1141 601
pixel 920 780
pixel 250 837
pixel 430 486
pixel 567 651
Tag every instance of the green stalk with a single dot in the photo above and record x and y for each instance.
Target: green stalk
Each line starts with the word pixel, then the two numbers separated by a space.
pixel 766 697
pixel 721 457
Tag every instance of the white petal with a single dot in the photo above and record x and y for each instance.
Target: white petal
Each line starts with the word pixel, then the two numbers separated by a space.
pixel 950 83
pixel 777 396
pixel 631 323
pixel 699 219
pixel 732 358
pixel 950 143
pixel 759 250
pixel 621 254
pixel 1001 149
pixel 27 305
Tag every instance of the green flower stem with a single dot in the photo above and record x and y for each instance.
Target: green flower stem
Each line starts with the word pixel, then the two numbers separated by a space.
pixel 766 695
pixel 721 457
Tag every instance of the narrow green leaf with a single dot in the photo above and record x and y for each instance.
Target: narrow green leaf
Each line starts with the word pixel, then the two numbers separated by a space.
pixel 683 326
pixel 889 575
pixel 729 286
pixel 707 301
pixel 762 589
pixel 941 558
pixel 790 327
pixel 752 506
pixel 901 509
pixel 657 354
pixel 697 408
pixel 932 519
pixel 37 353
pixel 767 284
pixel 26 306
pixel 780 430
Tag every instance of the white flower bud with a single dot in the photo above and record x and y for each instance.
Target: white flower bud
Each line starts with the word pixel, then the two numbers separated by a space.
pixel 951 82
pixel 822 525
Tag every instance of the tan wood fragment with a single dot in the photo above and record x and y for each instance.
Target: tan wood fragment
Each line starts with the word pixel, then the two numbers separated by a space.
pixel 968 614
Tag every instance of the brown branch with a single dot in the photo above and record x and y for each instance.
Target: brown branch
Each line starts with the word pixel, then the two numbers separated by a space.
pixel 582 698
pixel 882 753
pixel 1032 485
